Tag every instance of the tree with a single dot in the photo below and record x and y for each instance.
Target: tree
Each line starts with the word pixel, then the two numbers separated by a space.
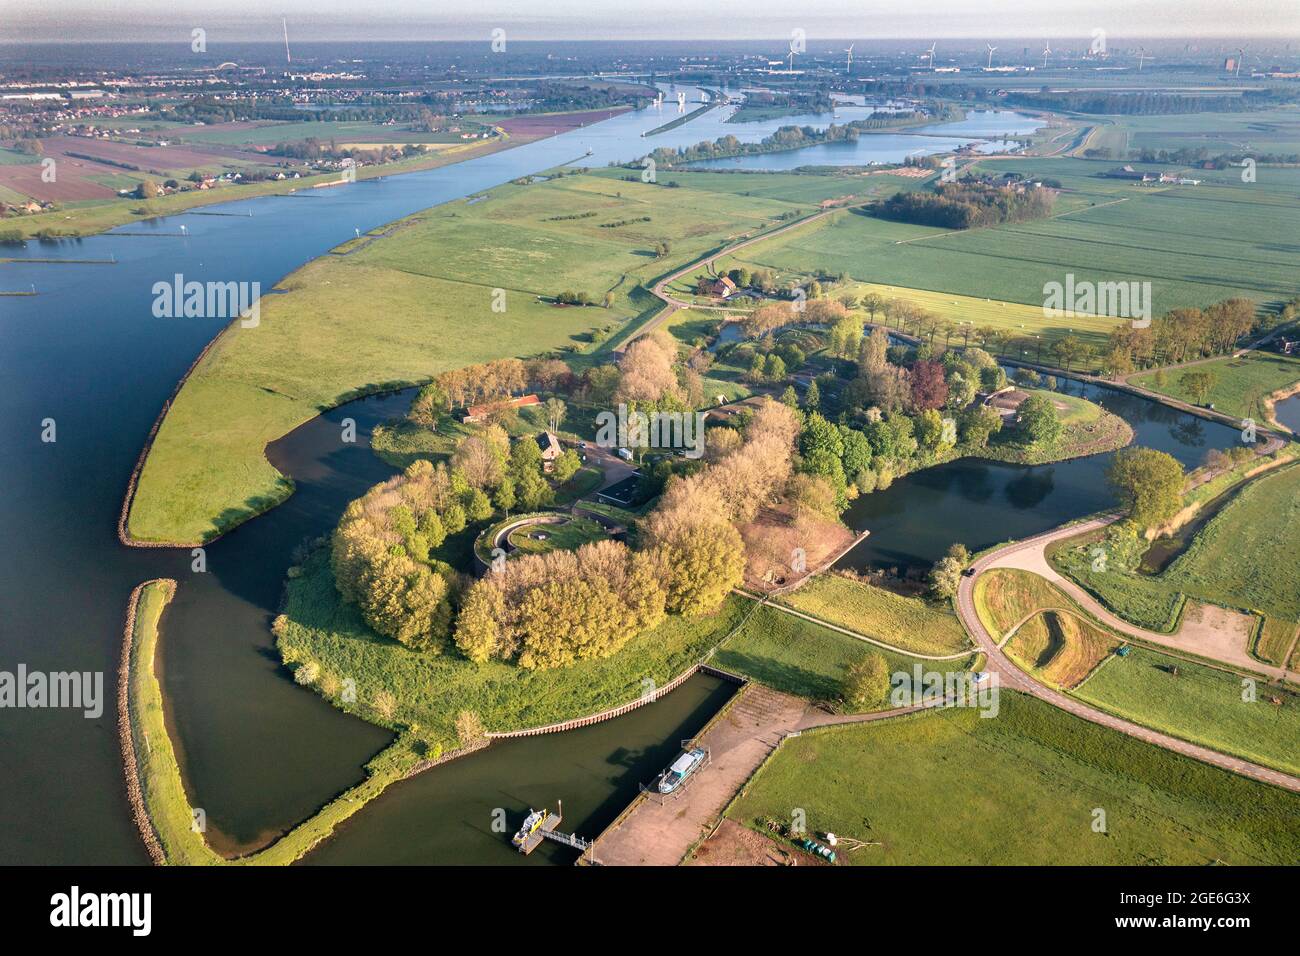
pixel 1038 422
pixel 977 424
pixel 866 681
pixel 929 387
pixel 1149 483
pixel 945 575
pixel 555 412
pixel 992 378
pixel 774 369
pixel 566 466
pixel 1198 383
pixel 812 398
pixel 873 351
pixel 505 495
pixel 479 506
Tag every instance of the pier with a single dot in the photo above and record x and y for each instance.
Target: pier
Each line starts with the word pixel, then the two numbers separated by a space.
pixel 549 830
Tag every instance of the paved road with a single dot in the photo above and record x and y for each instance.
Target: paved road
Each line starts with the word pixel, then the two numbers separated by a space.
pixel 1012 676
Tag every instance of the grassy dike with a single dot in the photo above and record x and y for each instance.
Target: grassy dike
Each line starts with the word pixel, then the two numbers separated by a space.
pixel 155 787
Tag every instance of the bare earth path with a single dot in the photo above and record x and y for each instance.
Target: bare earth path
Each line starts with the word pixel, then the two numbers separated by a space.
pixel 1011 676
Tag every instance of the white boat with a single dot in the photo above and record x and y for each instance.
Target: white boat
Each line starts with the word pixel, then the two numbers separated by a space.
pixel 682 767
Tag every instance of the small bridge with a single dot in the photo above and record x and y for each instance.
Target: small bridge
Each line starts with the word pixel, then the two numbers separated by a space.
pixel 548 831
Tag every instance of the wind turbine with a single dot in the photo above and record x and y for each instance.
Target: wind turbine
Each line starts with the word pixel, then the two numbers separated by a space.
pixel 991 49
pixel 285 22
pixel 1047 51
pixel 848 61
pixel 790 68
pixel 1240 54
pixel 929 55
pixel 1142 55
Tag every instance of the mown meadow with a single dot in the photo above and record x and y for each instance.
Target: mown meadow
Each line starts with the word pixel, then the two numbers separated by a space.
pixel 951 788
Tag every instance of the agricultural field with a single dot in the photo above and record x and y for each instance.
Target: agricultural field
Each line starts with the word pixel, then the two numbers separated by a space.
pixel 906 622
pixel 1196 245
pixel 1247 557
pixel 1202 704
pixel 407 306
pixel 1241 384
pixel 950 788
pixel 1264 131
pixel 805 659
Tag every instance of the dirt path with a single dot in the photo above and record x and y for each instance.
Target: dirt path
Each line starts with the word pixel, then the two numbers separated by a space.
pixel 1011 676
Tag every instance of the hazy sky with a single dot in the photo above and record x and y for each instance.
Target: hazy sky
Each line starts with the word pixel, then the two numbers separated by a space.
pixel 239 20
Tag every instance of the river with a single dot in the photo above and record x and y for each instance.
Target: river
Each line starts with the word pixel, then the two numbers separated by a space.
pixel 259 753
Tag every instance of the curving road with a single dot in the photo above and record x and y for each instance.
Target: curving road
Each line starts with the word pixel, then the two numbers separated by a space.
pixel 1011 676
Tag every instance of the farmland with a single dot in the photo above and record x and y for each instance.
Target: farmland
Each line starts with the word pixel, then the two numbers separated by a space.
pixel 951 788
pixel 1196 245
pixel 405 307
pixel 1265 131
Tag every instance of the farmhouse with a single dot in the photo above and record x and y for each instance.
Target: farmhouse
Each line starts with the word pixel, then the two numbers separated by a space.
pixel 476 413
pixel 722 287
pixel 550 446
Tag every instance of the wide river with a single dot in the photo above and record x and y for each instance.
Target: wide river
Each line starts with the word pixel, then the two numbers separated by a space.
pixel 260 753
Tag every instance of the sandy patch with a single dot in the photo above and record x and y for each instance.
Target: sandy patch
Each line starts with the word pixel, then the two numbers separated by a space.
pixel 1216 632
pixel 735 845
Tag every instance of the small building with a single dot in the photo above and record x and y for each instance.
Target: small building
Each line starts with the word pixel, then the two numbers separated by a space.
pixel 1128 172
pixel 476 413
pixel 722 287
pixel 550 446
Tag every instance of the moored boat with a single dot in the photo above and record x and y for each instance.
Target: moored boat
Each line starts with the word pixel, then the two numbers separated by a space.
pixel 681 768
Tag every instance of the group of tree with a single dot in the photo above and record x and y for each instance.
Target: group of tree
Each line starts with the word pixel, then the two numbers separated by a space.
pixel 549 611
pixel 1183 335
pixel 966 205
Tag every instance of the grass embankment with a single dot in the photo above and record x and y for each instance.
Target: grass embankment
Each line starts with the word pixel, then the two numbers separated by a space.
pixel 1247 557
pixel 1201 704
pixel 905 622
pixel 406 307
pixel 799 657
pixel 1241 385
pixel 162 796
pixel 90 220
pixel 421 693
pixel 948 787
pixel 1193 701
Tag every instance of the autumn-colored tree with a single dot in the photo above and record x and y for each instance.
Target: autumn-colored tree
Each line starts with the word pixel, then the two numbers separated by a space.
pixel 928 385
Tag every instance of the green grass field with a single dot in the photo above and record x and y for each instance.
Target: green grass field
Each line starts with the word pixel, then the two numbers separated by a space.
pixel 1247 557
pixel 1195 244
pixel 568 536
pixel 950 787
pixel 405 307
pixel 1241 384
pixel 1201 704
pixel 801 658
pixel 1254 131
pixel 906 622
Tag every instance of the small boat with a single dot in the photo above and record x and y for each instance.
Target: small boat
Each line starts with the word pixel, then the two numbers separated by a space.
pixel 682 767
pixel 532 823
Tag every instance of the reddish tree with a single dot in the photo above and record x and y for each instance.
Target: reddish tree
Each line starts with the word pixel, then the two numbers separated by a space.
pixel 929 388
